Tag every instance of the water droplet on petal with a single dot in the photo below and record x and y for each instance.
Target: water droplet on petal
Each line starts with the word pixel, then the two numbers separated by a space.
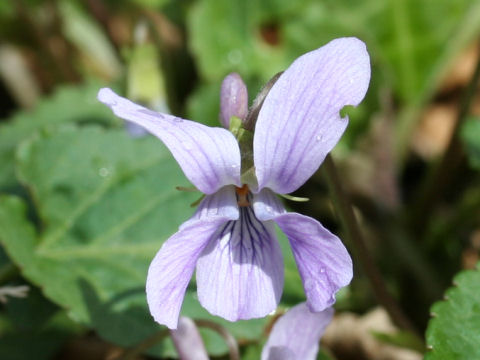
pixel 320 138
pixel 177 119
pixel 322 270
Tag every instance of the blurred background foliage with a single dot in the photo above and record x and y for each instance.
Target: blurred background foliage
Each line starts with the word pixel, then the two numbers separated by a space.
pixel 86 201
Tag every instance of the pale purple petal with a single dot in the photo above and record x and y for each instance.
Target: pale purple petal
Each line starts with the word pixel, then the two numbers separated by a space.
pixel 173 266
pixel 187 341
pixel 209 157
pixel 134 130
pixel 240 272
pixel 171 270
pixel 279 353
pixel 267 205
pixel 233 99
pixel 299 122
pixel 296 334
pixel 221 204
pixel 322 260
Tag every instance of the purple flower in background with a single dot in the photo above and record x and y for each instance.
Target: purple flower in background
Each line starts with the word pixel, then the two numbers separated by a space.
pixel 230 239
pixel 296 334
pixel 188 341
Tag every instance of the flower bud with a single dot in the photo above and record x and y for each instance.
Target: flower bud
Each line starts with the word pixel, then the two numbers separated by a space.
pixel 233 99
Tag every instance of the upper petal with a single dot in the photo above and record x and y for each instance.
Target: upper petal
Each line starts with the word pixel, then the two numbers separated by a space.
pixel 173 266
pixel 322 260
pixel 240 272
pixel 209 157
pixel 299 122
pixel 296 334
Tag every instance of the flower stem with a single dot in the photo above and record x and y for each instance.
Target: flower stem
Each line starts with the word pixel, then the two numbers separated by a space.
pixel 344 209
pixel 225 334
pixel 233 350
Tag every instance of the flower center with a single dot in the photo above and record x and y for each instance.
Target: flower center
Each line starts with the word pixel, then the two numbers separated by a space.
pixel 242 195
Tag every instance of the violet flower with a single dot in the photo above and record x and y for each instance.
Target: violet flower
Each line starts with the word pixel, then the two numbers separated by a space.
pixel 296 334
pixel 230 239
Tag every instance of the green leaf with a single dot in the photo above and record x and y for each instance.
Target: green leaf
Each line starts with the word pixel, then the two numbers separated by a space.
pixel 105 203
pixel 400 338
pixel 204 104
pixel 293 292
pixel 239 45
pixel 470 134
pixel 37 322
pixel 452 332
pixel 69 104
pixel 125 320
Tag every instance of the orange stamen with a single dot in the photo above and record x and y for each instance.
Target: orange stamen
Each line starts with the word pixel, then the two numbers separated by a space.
pixel 242 193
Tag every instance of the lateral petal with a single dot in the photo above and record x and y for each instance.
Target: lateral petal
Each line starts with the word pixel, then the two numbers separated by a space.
pixel 222 204
pixel 267 205
pixel 296 334
pixel 173 266
pixel 322 260
pixel 240 272
pixel 209 157
pixel 171 270
pixel 299 122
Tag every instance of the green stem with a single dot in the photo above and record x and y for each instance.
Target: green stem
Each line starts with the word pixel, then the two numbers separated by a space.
pixel 225 334
pixel 345 211
pixel 133 353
